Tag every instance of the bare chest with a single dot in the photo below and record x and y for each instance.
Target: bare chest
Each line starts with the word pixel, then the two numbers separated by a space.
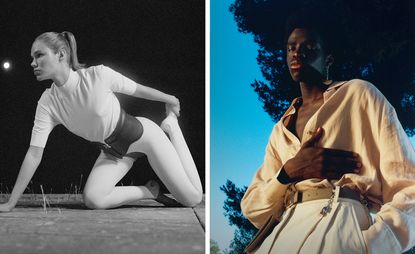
pixel 296 124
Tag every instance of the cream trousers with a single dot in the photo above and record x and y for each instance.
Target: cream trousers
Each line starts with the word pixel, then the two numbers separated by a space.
pixel 303 229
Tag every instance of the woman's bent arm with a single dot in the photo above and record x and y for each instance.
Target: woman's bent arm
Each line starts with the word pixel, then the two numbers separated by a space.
pixel 30 163
pixel 149 93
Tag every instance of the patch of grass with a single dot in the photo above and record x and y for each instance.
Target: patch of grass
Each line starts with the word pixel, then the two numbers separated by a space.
pixel 32 191
pixel 4 189
pixel 75 189
pixel 44 200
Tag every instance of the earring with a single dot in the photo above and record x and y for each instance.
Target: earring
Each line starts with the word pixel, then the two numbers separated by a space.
pixel 327 72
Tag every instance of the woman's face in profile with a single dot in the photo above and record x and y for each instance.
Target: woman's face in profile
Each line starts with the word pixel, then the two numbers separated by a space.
pixel 305 56
pixel 45 61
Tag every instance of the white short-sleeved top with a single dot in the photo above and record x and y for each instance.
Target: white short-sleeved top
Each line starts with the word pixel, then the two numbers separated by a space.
pixel 86 104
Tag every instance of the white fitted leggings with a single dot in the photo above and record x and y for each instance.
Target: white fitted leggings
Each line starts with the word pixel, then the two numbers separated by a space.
pixel 170 159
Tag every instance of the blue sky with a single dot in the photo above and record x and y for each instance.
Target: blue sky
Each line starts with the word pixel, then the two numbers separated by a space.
pixel 239 126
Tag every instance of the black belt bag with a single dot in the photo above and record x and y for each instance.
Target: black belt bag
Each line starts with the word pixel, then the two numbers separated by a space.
pixel 127 131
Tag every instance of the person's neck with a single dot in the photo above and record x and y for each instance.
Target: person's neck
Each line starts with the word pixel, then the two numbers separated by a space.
pixel 312 93
pixel 62 76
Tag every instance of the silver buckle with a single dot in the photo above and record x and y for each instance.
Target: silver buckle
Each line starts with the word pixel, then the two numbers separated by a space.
pixel 333 199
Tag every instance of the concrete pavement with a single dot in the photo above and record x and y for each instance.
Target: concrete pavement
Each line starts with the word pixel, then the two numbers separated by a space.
pixel 60 223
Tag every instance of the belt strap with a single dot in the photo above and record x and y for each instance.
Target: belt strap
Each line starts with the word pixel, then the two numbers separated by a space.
pixel 324 193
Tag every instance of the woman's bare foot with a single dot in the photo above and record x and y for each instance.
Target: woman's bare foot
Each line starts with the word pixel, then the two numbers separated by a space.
pixel 154 188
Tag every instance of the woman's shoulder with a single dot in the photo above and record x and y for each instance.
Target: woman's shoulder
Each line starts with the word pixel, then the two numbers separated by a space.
pixel 92 69
pixel 94 73
pixel 46 96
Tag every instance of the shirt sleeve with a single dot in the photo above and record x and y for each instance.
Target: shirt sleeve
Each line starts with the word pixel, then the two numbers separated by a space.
pixel 43 126
pixel 395 222
pixel 265 195
pixel 119 83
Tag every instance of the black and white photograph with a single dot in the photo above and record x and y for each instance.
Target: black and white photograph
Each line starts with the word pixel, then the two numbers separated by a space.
pixel 102 126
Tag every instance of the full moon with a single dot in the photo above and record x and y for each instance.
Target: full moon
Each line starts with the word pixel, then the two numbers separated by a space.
pixel 6 65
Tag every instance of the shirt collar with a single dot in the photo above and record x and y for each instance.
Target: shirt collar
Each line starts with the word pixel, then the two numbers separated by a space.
pixel 335 85
pixel 326 95
pixel 331 89
pixel 71 83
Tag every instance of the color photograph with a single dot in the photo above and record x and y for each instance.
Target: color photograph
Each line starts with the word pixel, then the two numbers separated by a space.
pixel 312 126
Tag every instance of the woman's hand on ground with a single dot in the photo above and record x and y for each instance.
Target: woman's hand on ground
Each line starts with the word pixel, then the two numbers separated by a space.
pixel 5 207
pixel 319 162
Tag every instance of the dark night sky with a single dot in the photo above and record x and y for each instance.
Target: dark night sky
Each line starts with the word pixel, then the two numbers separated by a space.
pixel 158 43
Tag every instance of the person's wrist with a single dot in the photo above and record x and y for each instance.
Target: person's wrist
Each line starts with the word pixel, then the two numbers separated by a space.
pixel 172 100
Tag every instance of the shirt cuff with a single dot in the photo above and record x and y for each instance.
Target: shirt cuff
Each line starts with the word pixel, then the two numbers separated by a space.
pixel 282 177
pixel 380 239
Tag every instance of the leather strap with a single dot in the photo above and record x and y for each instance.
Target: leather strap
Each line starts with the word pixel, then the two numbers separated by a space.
pixel 324 193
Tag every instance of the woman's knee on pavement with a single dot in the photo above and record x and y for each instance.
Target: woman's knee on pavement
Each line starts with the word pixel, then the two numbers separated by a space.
pixel 191 199
pixel 94 201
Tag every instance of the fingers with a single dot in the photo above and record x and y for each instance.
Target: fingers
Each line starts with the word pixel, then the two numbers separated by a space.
pixel 341 166
pixel 339 153
pixel 174 109
pixel 168 109
pixel 5 208
pixel 315 138
pixel 173 106
pixel 331 163
pixel 317 162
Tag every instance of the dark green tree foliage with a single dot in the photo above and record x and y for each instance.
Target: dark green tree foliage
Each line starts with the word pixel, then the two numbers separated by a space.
pixel 214 248
pixel 372 40
pixel 232 206
pixel 240 240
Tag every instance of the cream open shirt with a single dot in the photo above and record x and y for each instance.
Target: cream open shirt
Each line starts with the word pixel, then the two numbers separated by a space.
pixel 355 117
